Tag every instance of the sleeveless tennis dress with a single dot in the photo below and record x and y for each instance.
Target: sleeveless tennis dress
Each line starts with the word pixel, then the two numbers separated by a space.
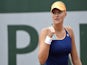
pixel 59 51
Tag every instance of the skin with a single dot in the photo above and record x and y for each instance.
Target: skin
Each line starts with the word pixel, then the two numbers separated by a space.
pixel 58 18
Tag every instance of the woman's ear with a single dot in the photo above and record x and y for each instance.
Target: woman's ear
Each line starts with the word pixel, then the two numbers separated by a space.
pixel 65 13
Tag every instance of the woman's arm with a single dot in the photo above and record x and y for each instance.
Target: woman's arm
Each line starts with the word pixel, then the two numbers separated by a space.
pixel 43 47
pixel 74 56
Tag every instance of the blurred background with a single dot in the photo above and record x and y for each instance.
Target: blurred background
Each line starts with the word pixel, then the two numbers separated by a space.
pixel 21 22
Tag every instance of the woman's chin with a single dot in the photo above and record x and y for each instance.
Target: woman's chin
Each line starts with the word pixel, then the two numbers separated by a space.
pixel 57 22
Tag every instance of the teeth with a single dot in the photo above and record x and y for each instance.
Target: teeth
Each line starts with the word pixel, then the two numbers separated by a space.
pixel 51 29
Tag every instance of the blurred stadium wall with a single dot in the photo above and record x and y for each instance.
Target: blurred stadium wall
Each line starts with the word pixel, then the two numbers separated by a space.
pixel 21 22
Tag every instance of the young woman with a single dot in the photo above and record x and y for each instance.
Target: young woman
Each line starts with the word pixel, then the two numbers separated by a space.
pixel 57 42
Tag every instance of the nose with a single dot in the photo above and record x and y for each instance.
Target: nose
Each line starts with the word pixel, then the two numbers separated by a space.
pixel 57 14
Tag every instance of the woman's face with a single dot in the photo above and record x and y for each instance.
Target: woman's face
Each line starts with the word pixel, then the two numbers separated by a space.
pixel 58 16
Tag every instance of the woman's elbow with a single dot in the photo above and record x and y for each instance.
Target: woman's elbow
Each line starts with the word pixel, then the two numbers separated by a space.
pixel 77 62
pixel 41 59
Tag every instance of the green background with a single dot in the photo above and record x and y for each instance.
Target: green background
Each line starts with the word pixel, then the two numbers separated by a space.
pixel 8 6
pixel 83 43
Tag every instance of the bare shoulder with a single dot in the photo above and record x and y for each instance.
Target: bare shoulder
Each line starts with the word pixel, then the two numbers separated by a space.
pixel 70 30
pixel 44 31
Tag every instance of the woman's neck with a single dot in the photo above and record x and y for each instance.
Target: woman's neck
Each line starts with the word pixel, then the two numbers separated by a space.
pixel 58 27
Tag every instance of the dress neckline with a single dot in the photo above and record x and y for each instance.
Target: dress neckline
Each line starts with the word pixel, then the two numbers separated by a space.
pixel 66 34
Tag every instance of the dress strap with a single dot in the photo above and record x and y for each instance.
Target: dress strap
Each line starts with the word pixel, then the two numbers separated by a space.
pixel 67 34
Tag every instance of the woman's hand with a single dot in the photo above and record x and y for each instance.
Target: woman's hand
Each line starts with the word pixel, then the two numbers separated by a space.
pixel 51 32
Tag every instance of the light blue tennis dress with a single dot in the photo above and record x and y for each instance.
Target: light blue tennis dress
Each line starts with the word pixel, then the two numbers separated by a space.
pixel 59 51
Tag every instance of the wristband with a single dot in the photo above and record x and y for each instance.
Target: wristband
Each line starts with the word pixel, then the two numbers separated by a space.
pixel 48 40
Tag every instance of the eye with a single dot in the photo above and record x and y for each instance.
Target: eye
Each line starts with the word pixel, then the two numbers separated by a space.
pixel 57 12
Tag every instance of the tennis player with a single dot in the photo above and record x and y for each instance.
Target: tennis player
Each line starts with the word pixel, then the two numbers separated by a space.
pixel 57 41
